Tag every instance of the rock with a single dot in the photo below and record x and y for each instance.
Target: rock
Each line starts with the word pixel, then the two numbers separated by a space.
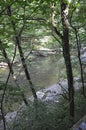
pixel 51 93
pixel 83 55
pixel 80 125
pixel 10 116
pixel 82 50
pixel 83 59
pixel 3 65
pixel 9 119
pixel 1 125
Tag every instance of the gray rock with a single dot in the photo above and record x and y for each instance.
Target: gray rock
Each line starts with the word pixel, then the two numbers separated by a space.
pixel 1 125
pixel 10 116
pixel 51 93
pixel 83 55
pixel 80 125
pixel 83 126
pixel 9 119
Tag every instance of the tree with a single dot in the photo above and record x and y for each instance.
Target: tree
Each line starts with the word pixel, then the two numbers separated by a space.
pixel 76 29
pixel 66 50
pixel 6 10
pixel 18 43
pixel 66 54
pixel 57 28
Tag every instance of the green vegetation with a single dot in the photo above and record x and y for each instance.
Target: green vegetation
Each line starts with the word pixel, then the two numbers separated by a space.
pixel 41 43
pixel 49 116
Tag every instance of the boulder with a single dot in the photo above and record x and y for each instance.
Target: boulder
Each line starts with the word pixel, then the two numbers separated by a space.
pixel 49 94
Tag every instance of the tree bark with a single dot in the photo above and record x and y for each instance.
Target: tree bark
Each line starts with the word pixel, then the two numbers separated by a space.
pixel 25 67
pixel 18 43
pixel 66 54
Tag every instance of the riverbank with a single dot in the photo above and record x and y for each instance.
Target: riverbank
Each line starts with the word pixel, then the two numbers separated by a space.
pixel 53 97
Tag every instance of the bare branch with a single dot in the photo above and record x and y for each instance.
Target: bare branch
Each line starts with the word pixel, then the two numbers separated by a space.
pixel 57 32
pixel 64 92
pixel 57 39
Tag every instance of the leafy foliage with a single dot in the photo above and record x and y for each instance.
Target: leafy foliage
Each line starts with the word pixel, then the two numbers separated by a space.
pixel 32 19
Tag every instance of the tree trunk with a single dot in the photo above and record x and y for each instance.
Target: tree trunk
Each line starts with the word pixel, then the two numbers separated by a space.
pixel 25 67
pixel 80 63
pixel 18 43
pixel 66 54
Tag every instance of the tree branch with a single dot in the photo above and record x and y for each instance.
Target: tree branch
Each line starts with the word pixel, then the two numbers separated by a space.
pixel 54 28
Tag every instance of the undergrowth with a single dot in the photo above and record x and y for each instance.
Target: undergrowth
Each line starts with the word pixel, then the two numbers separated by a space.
pixel 42 116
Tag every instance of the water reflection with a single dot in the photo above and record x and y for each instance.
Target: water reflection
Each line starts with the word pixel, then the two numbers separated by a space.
pixel 45 71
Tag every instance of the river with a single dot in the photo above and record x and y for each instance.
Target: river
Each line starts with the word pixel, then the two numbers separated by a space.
pixel 44 71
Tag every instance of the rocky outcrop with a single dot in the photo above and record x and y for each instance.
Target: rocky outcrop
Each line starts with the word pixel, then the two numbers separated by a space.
pixel 52 93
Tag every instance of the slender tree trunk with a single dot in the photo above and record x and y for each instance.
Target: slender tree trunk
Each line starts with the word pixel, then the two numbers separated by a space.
pixel 10 65
pixel 79 54
pixel 25 67
pixel 6 58
pixel 18 43
pixel 66 51
pixel 81 68
pixel 66 54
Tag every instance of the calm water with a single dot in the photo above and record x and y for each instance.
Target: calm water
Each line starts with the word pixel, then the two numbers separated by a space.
pixel 44 71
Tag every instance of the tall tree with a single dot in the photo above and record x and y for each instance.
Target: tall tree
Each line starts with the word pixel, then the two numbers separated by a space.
pixel 64 36
pixel 66 54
